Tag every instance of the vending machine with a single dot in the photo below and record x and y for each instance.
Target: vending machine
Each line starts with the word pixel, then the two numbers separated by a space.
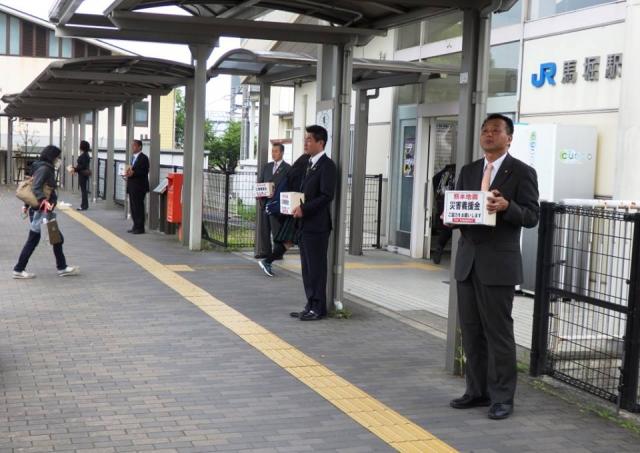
pixel 564 158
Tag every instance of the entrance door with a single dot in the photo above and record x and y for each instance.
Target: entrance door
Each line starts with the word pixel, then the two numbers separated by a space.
pixel 443 135
pixel 407 148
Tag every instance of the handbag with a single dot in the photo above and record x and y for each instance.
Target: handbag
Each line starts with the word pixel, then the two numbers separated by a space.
pixel 53 231
pixel 86 172
pixel 24 192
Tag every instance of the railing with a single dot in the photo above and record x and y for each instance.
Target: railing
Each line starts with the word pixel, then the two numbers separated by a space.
pixel 587 305
pixel 229 211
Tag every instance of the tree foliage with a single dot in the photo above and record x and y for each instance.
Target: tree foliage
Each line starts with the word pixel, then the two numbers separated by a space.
pixel 224 151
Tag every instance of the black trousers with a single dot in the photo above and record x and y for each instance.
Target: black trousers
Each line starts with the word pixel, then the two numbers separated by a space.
pixel 270 225
pixel 136 203
pixel 487 338
pixel 27 250
pixel 444 235
pixel 313 257
pixel 83 182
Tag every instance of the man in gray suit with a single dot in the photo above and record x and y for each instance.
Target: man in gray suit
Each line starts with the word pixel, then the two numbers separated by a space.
pixel 489 265
pixel 274 172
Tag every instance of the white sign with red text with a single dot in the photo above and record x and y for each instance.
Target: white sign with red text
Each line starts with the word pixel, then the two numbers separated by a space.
pixel 467 207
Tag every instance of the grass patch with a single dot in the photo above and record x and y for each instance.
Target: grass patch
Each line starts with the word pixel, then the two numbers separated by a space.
pixel 345 313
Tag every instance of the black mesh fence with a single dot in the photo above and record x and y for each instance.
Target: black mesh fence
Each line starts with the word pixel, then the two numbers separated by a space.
pixel 586 318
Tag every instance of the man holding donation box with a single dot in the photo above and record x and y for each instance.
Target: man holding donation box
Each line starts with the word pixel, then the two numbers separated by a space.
pixel 489 265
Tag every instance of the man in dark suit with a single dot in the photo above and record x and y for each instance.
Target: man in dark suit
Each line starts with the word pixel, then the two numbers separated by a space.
pixel 319 186
pixel 274 172
pixel 137 186
pixel 489 265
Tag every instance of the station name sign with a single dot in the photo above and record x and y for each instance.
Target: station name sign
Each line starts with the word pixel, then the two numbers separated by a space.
pixel 591 70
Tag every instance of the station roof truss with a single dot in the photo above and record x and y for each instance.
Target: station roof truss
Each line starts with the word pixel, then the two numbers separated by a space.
pixel 72 87
pixel 289 69
pixel 338 21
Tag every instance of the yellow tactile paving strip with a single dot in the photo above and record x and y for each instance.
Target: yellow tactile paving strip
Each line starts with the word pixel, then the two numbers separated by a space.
pixel 391 427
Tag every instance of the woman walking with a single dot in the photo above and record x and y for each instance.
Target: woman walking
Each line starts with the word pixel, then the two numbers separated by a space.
pixel 44 174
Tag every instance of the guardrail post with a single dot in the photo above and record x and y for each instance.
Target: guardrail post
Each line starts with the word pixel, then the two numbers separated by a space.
pixel 544 268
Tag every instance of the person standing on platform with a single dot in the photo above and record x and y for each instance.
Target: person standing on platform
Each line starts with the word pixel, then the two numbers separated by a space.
pixel 137 175
pixel 319 186
pixel 274 172
pixel 488 267
pixel 83 170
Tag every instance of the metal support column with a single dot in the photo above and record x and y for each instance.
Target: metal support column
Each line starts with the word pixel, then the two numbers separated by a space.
pixel 473 80
pixel 109 170
pixel 130 136
pixel 154 163
pixel 200 55
pixel 50 131
pixel 68 155
pixel 9 163
pixel 83 128
pixel 263 150
pixel 75 142
pixel 334 76
pixel 94 151
pixel 358 176
pixel 186 162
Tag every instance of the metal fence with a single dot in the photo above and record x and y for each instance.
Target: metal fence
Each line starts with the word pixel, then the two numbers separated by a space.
pixel 587 306
pixel 229 210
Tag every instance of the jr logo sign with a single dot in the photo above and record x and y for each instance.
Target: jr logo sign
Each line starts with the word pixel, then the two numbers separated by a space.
pixel 547 74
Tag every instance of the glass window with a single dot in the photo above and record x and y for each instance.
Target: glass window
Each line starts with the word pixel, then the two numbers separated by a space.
pixel 14 36
pixel 66 47
pixel 503 72
pixel 141 114
pixel 511 17
pixel 54 45
pixel 546 8
pixel 443 27
pixel 446 89
pixel 408 36
pixel 3 33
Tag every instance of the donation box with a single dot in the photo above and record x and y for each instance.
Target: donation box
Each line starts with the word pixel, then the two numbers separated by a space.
pixel 174 198
pixel 264 190
pixel 467 207
pixel 289 201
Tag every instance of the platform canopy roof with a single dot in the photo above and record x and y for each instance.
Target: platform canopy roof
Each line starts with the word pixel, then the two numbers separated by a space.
pixel 337 21
pixel 288 69
pixel 72 87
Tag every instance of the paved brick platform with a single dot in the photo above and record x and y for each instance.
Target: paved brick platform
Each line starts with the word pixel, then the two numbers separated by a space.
pixel 113 360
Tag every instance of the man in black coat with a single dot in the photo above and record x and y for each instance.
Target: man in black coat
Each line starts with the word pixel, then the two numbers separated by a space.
pixel 319 186
pixel 137 186
pixel 489 266
pixel 274 172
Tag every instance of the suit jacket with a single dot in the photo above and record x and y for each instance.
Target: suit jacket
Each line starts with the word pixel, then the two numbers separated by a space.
pixel 495 251
pixel 267 175
pixel 319 187
pixel 139 181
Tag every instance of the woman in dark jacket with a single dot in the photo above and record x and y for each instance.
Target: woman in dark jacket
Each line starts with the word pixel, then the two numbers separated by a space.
pixel 83 170
pixel 43 172
pixel 286 236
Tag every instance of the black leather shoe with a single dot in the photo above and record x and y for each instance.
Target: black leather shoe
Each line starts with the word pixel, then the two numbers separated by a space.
pixel 437 255
pixel 131 230
pixel 500 411
pixel 468 401
pixel 297 314
pixel 138 232
pixel 310 316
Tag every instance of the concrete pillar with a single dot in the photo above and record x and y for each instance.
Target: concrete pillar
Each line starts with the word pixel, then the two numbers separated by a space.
pixel 154 163
pixel 200 54
pixel 50 131
pixel 94 150
pixel 75 143
pixel 187 162
pixel 68 144
pixel 110 172
pixel 334 81
pixel 627 183
pixel 263 150
pixel 83 128
pixel 473 87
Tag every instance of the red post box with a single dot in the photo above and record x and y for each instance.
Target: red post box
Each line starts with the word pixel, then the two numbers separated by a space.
pixel 174 198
